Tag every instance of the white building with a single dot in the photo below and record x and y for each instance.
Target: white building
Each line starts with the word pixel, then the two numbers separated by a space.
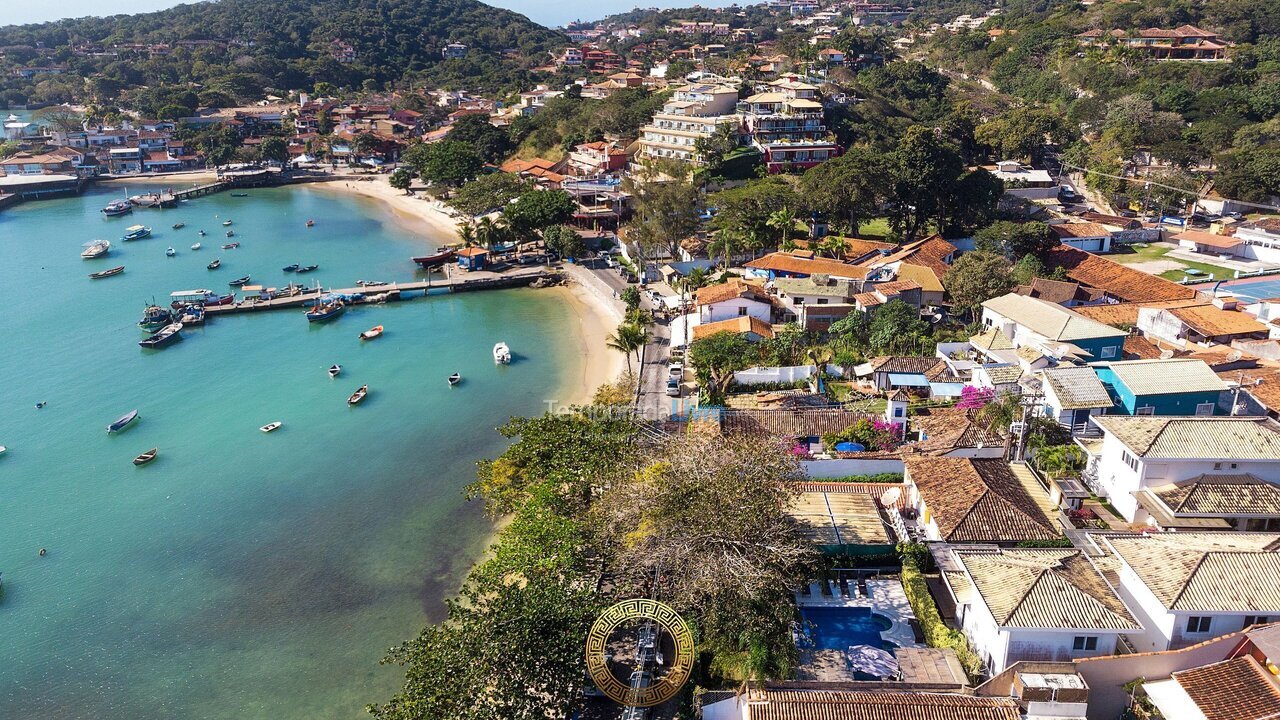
pixel 694 111
pixel 1052 330
pixel 1185 588
pixel 1034 605
pixel 731 300
pixel 1138 453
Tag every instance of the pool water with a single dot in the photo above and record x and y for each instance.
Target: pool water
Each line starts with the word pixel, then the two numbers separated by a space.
pixel 838 628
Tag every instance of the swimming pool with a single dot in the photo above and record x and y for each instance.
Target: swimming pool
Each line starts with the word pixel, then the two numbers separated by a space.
pixel 838 628
pixel 1248 289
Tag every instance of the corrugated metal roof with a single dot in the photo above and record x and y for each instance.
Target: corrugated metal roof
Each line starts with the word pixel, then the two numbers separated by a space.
pixel 1077 387
pixel 1202 438
pixel 1052 321
pixel 1166 377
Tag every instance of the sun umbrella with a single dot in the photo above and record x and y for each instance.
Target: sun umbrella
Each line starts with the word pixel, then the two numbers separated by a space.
pixel 872 661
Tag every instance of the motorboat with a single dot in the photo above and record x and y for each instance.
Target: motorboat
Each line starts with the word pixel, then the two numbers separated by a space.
pixel 311 223
pixel 231 233
pixel 325 311
pixel 106 273
pixel 136 232
pixel 238 282
pixel 117 207
pixel 239 194
pixel 217 263
pixel 307 268
pixel 170 252
pixel 163 337
pixel 179 225
pixel 155 317
pixel 334 370
pixel 358 396
pixel 146 457
pixel 501 353
pixel 201 233
pixel 428 262
pixel 123 421
pixel 196 246
pixel 95 249
pixel 214 299
pixel 454 379
pixel 226 223
pixel 371 333
pixel 231 246
pixel 271 427
pixel 289 268
pixel 3 449
pixel 371 283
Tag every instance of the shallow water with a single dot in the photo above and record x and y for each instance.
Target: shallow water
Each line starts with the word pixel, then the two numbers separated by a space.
pixel 240 574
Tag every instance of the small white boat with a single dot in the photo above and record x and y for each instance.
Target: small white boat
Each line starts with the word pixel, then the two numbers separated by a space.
pixel 371 333
pixel 226 223
pixel 454 379
pixel 95 249
pixel 196 246
pixel 334 370
pixel 501 353
pixel 271 427
pixel 170 252
pixel 3 449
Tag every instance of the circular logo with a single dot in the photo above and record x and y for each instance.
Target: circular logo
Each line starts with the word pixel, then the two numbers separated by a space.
pixel 640 653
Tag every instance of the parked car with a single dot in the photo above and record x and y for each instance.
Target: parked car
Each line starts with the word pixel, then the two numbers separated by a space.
pixel 675 370
pixel 673 387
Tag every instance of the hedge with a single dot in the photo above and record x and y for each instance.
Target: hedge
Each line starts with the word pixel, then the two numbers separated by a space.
pixel 936 632
pixel 891 478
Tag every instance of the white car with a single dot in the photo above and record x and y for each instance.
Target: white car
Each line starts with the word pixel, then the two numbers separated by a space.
pixel 675 370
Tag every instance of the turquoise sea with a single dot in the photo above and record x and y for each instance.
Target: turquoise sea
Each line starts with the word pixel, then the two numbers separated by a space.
pixel 240 575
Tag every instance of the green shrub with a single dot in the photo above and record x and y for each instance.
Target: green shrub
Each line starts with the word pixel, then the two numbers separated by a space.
pixel 936 632
pixel 891 478
pixel 1059 542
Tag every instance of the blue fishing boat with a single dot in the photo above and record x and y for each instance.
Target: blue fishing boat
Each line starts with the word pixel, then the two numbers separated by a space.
pixel 117 207
pixel 123 422
pixel 325 311
pixel 136 232
pixel 289 268
pixel 154 318
pixel 166 335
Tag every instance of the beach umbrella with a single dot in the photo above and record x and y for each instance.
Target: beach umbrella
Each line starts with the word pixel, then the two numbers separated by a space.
pixel 872 661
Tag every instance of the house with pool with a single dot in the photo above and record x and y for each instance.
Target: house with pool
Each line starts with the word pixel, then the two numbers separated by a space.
pixel 978 500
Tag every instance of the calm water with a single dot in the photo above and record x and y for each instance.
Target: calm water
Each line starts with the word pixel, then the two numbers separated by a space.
pixel 241 574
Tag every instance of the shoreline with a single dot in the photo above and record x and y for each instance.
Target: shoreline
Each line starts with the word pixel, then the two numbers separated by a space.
pixel 416 213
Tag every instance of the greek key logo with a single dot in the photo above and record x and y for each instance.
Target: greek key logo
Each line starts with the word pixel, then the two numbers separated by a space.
pixel 640 653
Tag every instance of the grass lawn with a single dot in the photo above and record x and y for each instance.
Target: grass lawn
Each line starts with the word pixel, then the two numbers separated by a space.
pixel 1158 252
pixel 872 229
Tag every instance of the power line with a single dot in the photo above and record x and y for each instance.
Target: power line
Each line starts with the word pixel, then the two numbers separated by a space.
pixel 1197 194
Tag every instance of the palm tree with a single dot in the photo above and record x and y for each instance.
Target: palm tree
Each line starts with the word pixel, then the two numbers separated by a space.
pixel 784 221
pixel 490 232
pixel 832 245
pixel 1000 413
pixel 727 243
pixel 820 357
pixel 467 234
pixel 628 339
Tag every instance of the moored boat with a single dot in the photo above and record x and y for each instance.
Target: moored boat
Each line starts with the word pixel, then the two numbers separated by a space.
pixel 239 194
pixel 201 233
pixel 271 427
pixel 239 281
pixel 123 421
pixel 136 232
pixel 501 353
pixel 170 252
pixel 146 457
pixel 371 333
pixel 95 249
pixel 231 246
pixel 454 379
pixel 311 223
pixel 164 336
pixel 428 262
pixel 324 311
pixel 334 370
pixel 226 223
pixel 307 268
pixel 289 268
pixel 179 225
pixel 358 396
pixel 217 263
pixel 231 233
pixel 155 317
pixel 106 273
pixel 196 246
pixel 117 207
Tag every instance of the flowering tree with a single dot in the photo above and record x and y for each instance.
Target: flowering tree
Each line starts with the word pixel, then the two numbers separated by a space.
pixel 973 398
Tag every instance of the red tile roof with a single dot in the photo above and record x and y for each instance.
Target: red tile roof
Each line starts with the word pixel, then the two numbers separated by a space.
pixel 1120 282
pixel 712 294
pixel 799 264
pixel 1236 689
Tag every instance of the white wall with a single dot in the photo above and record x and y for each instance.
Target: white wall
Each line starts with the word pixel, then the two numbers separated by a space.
pixel 819 469
pixel 728 310
pixel 786 374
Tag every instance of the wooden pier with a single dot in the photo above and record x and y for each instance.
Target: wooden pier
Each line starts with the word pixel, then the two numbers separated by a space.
pixel 471 282
pixel 199 190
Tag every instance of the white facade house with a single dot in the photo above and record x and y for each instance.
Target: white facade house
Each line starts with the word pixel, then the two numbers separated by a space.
pixel 694 111
pixel 1019 605
pixel 1260 240
pixel 1185 587
pixel 1052 330
pixel 1138 453
pixel 732 300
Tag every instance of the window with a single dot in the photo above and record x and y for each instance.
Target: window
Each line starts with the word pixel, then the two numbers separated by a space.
pixel 1204 408
pixel 1085 642
pixel 1109 351
pixel 1221 465
pixel 798 300
pixel 1129 460
pixel 1256 620
pixel 822 301
pixel 742 311
pixel 1145 410
pixel 1198 624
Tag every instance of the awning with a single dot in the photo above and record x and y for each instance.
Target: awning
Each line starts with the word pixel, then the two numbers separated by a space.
pixel 938 389
pixel 908 379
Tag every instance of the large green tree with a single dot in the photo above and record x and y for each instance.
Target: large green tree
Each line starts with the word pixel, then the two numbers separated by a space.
pixel 848 189
pixel 977 277
pixel 1016 240
pixel 538 209
pixel 449 162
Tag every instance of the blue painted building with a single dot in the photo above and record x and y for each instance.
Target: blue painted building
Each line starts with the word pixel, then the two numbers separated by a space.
pixel 473 258
pixel 1182 386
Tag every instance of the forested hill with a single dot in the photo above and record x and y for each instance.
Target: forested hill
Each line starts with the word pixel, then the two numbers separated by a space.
pixel 287 42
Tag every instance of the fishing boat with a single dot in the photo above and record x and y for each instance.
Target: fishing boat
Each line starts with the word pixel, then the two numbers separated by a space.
pixel 106 273
pixel 358 396
pixel 289 268
pixel 146 457
pixel 325 311
pixel 231 233
pixel 95 249
pixel 136 232
pixel 428 262
pixel 238 282
pixel 117 207
pixel 217 263
pixel 334 370
pixel 231 246
pixel 307 268
pixel 226 223
pixel 371 333
pixel 501 353
pixel 170 252
pixel 271 427
pixel 123 421
pixel 454 379
pixel 164 336
pixel 179 225
pixel 214 299
pixel 195 246
pixel 371 283
pixel 155 317
pixel 311 223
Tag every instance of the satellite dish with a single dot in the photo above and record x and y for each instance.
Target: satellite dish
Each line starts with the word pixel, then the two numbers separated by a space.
pixel 1234 356
pixel 890 496
pixel 1166 354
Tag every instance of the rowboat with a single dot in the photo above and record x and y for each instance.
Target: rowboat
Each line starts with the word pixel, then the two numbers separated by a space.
pixel 163 337
pixel 501 353
pixel 106 273
pixel 271 427
pixel 95 249
pixel 123 421
pixel 433 261
pixel 226 223
pixel 231 246
pixel 334 370
pixel 146 457
pixel 371 333
pixel 307 268
pixel 179 226
pixel 170 252
pixel 289 268
pixel 311 223
pixel 358 396
pixel 217 263
pixel 196 246
pixel 239 281
pixel 454 379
